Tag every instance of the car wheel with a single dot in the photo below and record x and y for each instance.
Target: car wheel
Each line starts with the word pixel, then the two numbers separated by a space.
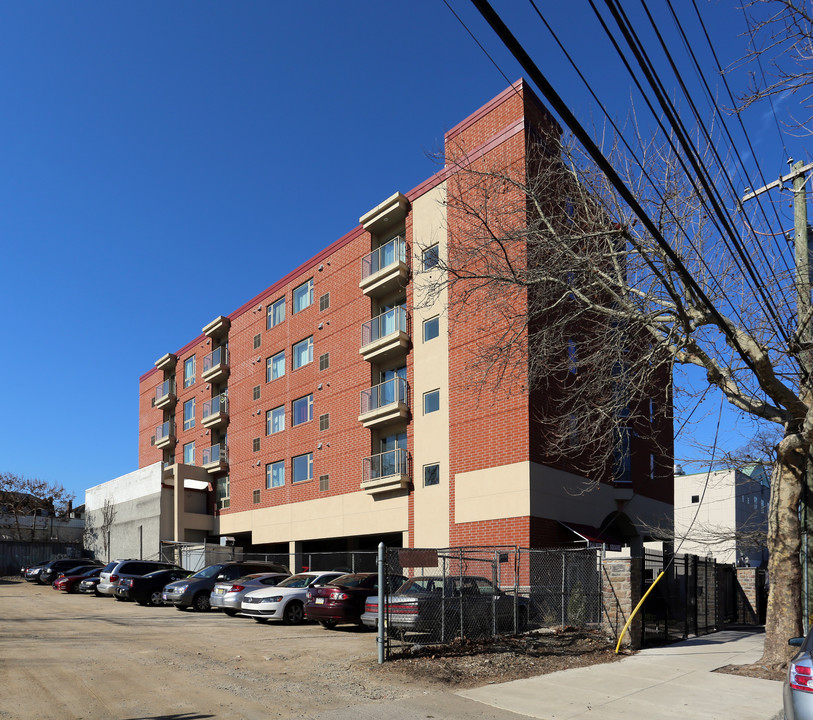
pixel 294 613
pixel 329 624
pixel 155 598
pixel 230 612
pixel 201 602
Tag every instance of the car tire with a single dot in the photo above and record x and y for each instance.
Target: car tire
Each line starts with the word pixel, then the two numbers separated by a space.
pixel 119 598
pixel 155 598
pixel 328 624
pixel 143 603
pixel 294 613
pixel 230 612
pixel 201 603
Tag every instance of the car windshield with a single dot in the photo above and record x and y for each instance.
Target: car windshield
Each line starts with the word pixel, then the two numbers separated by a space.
pixel 109 567
pixel 209 572
pixel 297 581
pixel 351 580
pixel 421 584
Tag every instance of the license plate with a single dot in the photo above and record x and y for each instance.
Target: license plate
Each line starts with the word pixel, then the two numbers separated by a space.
pixel 220 591
pixel 319 601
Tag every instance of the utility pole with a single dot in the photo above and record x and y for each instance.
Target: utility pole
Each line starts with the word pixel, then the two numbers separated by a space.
pixel 804 343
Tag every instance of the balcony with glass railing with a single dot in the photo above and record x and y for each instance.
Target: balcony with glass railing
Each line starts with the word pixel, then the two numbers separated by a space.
pixel 216 411
pixel 216 365
pixel 215 458
pixel 165 434
pixel 386 335
pixel 385 472
pixel 384 403
pixel 385 269
pixel 165 394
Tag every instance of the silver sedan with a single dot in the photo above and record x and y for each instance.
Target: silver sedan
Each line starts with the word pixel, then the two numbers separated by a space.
pixel 797 693
pixel 227 596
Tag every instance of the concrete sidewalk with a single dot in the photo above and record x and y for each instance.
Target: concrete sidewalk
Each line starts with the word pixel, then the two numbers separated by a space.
pixel 657 684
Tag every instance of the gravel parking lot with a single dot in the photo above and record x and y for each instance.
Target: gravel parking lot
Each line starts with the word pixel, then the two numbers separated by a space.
pixel 77 656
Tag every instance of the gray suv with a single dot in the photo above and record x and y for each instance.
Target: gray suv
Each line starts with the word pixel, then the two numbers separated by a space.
pixel 128 568
pixel 194 591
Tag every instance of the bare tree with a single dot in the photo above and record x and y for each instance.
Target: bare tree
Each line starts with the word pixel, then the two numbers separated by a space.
pixel 25 499
pixel 108 518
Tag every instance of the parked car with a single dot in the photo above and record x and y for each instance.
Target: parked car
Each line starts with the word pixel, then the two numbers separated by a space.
pixel 433 605
pixel 49 572
pixel 146 589
pixel 70 582
pixel 195 591
pixel 797 692
pixel 88 586
pixel 128 568
pixel 342 600
pixel 285 601
pixel 227 596
pixel 33 568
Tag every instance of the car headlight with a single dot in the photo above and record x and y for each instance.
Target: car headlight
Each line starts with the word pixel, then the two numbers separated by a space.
pixel 272 599
pixel 177 588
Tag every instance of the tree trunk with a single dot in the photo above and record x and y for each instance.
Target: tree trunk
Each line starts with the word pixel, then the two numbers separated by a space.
pixel 784 565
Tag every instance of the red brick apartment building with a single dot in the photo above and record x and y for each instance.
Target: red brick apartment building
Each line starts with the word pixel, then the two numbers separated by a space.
pixel 333 410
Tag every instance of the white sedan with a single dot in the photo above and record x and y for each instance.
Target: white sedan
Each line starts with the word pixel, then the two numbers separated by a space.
pixel 285 601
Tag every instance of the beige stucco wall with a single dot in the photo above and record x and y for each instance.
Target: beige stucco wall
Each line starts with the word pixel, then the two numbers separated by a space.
pixel 431 371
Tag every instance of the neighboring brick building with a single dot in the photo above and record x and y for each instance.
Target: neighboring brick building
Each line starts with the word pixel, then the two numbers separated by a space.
pixel 330 411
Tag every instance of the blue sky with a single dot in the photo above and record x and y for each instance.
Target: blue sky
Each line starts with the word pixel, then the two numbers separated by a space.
pixel 141 139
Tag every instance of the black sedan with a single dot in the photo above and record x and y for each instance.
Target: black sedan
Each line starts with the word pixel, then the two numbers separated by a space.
pixel 146 589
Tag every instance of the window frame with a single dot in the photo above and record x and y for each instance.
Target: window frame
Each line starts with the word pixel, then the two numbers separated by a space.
pixel 431 322
pixel 270 366
pixel 296 348
pixel 308 457
pixel 430 257
pixel 426 396
pixel 186 448
pixel 271 313
pixel 305 290
pixel 296 403
pixel 189 421
pixel 427 467
pixel 270 480
pixel 189 379
pixel 271 418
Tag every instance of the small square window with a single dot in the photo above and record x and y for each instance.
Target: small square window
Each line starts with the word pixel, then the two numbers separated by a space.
pixel 303 296
pixel 275 420
pixel 302 410
pixel 189 372
pixel 257 340
pixel 303 467
pixel 275 366
pixel 324 483
pixel 324 422
pixel 695 498
pixel 255 445
pixel 431 475
pixel 324 361
pixel 431 328
pixel 275 474
pixel 256 497
pixel 324 302
pixel 430 257
pixel 431 402
pixel 256 392
pixel 303 353
pixel 276 313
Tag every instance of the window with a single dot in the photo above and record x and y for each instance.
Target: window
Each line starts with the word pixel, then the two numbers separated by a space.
pixel 302 410
pixel 431 402
pixel 223 492
pixel 256 497
pixel 256 392
pixel 303 296
pixel 189 372
pixel 303 467
pixel 303 352
pixel 324 422
pixel 324 361
pixel 275 420
pixel 255 445
pixel 324 483
pixel 257 340
pixel 275 474
pixel 324 302
pixel 430 257
pixel 189 454
pixel 276 313
pixel 189 414
pixel 431 475
pixel 275 366
pixel 695 498
pixel 430 328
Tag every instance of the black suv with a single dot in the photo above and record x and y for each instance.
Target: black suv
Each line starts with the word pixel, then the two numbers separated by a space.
pixel 127 568
pixel 50 571
pixel 194 591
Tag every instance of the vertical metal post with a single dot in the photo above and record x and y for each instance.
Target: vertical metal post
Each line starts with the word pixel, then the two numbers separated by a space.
pixel 563 588
pixel 381 630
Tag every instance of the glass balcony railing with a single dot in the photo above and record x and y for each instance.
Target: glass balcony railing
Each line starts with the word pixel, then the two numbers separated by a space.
pixel 164 430
pixel 386 464
pixel 217 357
pixel 219 404
pixel 390 322
pixel 388 254
pixel 214 454
pixel 165 389
pixel 390 392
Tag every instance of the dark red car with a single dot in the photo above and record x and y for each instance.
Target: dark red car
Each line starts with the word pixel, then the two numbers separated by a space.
pixel 342 600
pixel 70 583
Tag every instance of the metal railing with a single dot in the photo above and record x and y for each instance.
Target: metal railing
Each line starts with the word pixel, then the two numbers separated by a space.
pixel 217 404
pixel 219 356
pixel 165 388
pixel 164 430
pixel 390 392
pixel 386 464
pixel 213 454
pixel 388 254
pixel 392 321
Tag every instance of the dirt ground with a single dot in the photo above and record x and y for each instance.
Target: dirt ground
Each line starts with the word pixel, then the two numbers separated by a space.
pixel 80 656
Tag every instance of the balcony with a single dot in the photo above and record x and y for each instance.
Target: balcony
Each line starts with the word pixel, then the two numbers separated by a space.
pixel 386 335
pixel 165 394
pixel 165 434
pixel 216 366
pixel 385 472
pixel 216 412
pixel 215 458
pixel 385 269
pixel 384 403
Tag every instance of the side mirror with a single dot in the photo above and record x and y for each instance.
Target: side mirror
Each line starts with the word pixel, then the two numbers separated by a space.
pixel 797 642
